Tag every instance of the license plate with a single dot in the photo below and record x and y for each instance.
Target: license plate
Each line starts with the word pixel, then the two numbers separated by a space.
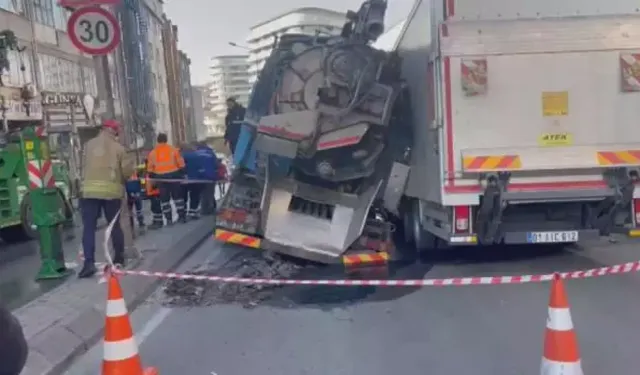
pixel 552 237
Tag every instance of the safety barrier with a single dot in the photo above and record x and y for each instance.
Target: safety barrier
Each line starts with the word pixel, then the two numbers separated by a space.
pixel 560 346
pixel 454 281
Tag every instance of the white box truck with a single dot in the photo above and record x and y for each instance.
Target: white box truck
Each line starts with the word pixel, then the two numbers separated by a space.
pixel 525 117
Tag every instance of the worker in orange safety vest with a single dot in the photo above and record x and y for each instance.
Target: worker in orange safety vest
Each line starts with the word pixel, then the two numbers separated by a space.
pixel 166 163
pixel 153 193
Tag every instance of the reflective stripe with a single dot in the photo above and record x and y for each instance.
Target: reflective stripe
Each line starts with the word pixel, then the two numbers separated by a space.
pixel 560 368
pixel 103 189
pixel 116 308
pixel 559 319
pixel 120 350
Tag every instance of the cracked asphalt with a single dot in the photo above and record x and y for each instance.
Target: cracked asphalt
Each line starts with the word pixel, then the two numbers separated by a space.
pixel 202 328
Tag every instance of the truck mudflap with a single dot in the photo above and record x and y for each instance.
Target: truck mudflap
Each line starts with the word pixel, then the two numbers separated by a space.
pixel 236 238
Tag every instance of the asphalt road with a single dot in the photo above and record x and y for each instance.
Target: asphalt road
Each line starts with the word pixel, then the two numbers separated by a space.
pixel 480 330
pixel 19 265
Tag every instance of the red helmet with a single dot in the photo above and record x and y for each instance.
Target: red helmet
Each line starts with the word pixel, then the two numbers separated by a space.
pixel 111 124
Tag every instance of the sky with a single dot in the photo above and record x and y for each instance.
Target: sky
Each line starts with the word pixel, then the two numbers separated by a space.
pixel 205 27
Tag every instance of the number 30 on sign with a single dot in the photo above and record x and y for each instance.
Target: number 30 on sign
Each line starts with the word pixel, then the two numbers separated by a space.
pixel 94 30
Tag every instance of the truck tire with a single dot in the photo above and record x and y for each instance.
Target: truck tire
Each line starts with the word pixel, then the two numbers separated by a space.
pixel 26 215
pixel 22 231
pixel 407 227
pixel 68 210
pixel 423 239
pixel 13 234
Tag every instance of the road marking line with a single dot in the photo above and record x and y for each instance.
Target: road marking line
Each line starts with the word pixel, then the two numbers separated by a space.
pixel 152 324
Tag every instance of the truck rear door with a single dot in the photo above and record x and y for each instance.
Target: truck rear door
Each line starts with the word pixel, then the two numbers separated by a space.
pixel 551 100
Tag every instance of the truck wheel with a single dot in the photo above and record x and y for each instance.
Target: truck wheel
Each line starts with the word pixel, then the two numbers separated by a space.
pixel 424 240
pixel 407 227
pixel 26 215
pixel 13 234
pixel 68 209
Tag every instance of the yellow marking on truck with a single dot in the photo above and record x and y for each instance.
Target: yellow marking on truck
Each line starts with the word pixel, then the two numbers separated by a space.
pixel 555 139
pixel 555 103
pixel 634 233
pixel 619 157
pixel 491 163
pixel 368 259
pixel 237 238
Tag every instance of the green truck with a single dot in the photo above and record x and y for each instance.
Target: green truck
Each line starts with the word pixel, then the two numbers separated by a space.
pixel 16 222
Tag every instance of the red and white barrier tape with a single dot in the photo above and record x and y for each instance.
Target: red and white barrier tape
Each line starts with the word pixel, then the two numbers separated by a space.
pixel 454 281
pixel 188 181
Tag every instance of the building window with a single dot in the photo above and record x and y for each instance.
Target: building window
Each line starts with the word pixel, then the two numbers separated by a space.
pixel 43 11
pixel 15 76
pixel 14 6
pixel 90 85
pixel 60 17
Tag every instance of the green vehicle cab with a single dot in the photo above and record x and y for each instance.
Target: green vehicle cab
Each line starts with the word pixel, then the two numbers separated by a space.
pixel 16 217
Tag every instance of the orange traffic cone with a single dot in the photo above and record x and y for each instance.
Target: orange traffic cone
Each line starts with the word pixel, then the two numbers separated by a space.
pixel 561 355
pixel 120 349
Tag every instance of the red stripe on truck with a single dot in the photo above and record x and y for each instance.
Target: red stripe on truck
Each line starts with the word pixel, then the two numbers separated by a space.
pixel 534 186
pixel 449 173
pixel 451 8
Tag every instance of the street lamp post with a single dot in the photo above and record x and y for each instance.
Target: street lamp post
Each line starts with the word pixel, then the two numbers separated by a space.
pixel 233 44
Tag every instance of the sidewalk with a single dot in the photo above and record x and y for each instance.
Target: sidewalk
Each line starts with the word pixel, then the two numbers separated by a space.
pixel 18 273
pixel 18 268
pixel 63 323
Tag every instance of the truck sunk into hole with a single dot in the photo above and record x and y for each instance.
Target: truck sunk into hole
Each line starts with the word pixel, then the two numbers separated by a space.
pixel 510 122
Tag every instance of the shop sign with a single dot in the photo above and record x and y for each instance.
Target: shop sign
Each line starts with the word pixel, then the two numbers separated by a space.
pixel 16 109
pixel 60 99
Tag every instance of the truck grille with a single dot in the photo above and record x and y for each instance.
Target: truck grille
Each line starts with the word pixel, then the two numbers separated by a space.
pixel 315 209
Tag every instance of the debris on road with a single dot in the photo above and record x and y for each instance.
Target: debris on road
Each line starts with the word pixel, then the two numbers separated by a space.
pixel 198 293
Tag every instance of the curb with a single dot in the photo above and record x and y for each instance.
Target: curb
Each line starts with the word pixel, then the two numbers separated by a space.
pixel 54 349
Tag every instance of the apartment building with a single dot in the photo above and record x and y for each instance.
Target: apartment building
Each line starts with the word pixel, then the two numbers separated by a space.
pixel 310 21
pixel 153 14
pixel 187 97
pixel 198 96
pixel 61 76
pixel 229 78
pixel 178 85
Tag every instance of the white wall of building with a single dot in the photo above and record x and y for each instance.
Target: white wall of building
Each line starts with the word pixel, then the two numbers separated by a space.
pixel 310 21
pixel 229 78
pixel 158 68
pixel 198 95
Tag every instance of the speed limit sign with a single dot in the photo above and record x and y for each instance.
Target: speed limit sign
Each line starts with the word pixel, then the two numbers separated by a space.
pixel 93 30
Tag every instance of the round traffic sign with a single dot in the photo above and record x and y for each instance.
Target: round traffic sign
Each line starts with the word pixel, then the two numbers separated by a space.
pixel 93 30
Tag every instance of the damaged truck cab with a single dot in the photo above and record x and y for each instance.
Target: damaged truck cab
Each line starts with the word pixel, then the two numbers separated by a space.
pixel 489 123
pixel 322 134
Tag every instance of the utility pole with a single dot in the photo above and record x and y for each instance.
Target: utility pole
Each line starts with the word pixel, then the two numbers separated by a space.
pixel 105 86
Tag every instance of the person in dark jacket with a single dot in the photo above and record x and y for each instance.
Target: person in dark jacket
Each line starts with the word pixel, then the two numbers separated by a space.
pixel 233 123
pixel 13 345
pixel 134 199
pixel 192 190
pixel 210 165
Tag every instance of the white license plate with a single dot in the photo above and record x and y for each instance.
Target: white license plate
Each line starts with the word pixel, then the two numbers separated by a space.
pixel 552 237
